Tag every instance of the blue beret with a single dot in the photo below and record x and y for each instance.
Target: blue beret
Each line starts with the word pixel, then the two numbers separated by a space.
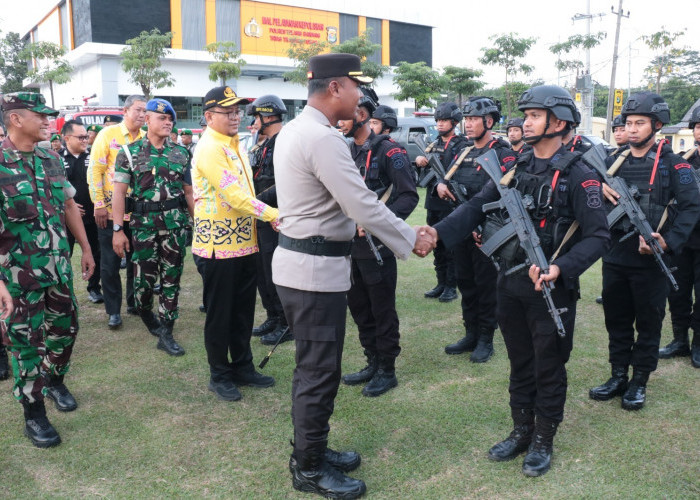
pixel 161 106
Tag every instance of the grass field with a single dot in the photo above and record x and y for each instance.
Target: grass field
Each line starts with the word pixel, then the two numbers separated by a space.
pixel 147 427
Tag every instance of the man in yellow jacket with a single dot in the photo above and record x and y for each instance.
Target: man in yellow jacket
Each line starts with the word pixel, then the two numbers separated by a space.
pixel 225 209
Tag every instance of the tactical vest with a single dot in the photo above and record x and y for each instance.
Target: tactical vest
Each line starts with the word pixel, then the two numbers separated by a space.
pixel 546 197
pixel 376 178
pixel 470 177
pixel 263 168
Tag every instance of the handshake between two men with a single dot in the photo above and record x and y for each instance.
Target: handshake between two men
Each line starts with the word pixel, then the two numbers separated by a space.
pixel 426 240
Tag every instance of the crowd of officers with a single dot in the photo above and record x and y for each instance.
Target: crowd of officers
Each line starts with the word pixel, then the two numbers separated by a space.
pixel 133 191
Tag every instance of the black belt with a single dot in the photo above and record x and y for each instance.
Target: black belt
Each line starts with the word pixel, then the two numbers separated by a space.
pixel 316 245
pixel 141 207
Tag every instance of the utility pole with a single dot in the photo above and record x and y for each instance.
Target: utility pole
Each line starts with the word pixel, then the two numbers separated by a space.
pixel 611 90
pixel 585 83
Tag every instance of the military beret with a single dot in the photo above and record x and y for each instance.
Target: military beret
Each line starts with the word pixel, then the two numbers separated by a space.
pixel 330 65
pixel 55 137
pixel 27 100
pixel 161 106
pixel 113 119
pixel 223 97
pixel 185 131
pixel 95 128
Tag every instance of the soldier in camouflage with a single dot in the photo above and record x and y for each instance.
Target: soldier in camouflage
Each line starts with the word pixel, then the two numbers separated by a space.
pixel 36 205
pixel 158 172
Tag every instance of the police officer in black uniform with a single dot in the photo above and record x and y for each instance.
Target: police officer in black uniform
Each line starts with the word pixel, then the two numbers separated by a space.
pixel 384 120
pixel 537 354
pixel 476 274
pixel 685 313
pixel 447 117
pixel 634 288
pixel 514 129
pixel 267 112
pixel 385 168
pixel 572 140
pixel 620 135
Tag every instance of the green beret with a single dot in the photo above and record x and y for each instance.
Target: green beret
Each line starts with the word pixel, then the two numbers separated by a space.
pixel 55 137
pixel 95 128
pixel 185 131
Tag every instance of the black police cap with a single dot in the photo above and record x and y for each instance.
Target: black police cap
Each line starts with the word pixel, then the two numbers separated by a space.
pixel 336 65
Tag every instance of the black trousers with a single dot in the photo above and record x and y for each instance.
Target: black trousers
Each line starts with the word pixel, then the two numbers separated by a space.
pixel 199 263
pixel 267 242
pixel 634 297
pixel 318 322
pixel 476 280
pixel 372 304
pixel 685 311
pixel 109 270
pixel 443 260
pixel 537 353
pixel 229 296
pixel 93 240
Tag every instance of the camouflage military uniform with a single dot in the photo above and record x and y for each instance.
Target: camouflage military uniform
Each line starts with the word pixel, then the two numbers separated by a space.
pixel 35 261
pixel 158 235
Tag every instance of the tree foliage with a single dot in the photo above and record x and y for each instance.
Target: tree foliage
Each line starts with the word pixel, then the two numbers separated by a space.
pixel 13 68
pixel 49 65
pixel 227 65
pixel 516 89
pixel 419 82
pixel 508 51
pixel 460 82
pixel 575 42
pixel 141 59
pixel 363 47
pixel 662 65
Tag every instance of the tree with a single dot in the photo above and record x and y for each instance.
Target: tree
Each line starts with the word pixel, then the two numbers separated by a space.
pixel 662 64
pixel 461 82
pixel 142 60
pixel 227 65
pixel 515 88
pixel 12 67
pixel 419 82
pixel 575 42
pixel 507 52
pixel 49 65
pixel 300 52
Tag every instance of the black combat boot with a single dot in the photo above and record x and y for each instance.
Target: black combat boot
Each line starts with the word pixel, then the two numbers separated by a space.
pixel 465 344
pixel 695 350
pixel 151 321
pixel 280 335
pixel 615 386
pixel 57 392
pixel 539 453
pixel 312 473
pixel 435 292
pixel 266 326
pixel 166 342
pixel 448 294
pixel 383 380
pixel 636 393
pixel 519 439
pixel 678 346
pixel 345 461
pixel 484 346
pixel 37 427
pixel 4 363
pixel 364 375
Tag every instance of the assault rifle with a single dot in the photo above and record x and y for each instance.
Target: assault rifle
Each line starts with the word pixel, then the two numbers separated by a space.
pixel 437 172
pixel 627 206
pixel 518 225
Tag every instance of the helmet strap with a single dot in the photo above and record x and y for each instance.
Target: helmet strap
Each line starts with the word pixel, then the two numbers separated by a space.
pixel 646 140
pixel 264 125
pixel 355 127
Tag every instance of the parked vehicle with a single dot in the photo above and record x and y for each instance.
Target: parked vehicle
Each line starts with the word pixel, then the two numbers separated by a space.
pixel 405 132
pixel 87 115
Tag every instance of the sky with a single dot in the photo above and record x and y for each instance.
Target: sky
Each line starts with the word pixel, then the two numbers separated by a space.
pixel 463 28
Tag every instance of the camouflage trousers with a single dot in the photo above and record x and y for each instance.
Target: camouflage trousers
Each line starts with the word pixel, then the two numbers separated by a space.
pixel 158 255
pixel 40 335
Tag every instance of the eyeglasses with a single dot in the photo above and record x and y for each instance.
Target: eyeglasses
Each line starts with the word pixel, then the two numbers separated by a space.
pixel 232 115
pixel 79 137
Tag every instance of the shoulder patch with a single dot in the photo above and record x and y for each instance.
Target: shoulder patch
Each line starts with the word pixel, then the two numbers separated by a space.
pixel 393 151
pixel 508 159
pixel 682 165
pixel 592 188
pixel 589 183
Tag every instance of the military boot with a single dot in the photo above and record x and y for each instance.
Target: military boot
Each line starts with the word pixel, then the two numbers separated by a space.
pixel 151 321
pixel 636 394
pixel 311 473
pixel 364 375
pixel 678 346
pixel 383 380
pixel 4 363
pixel 539 453
pixel 166 342
pixel 265 327
pixel 37 427
pixel 448 294
pixel 695 350
pixel 484 346
pixel 57 391
pixel 615 386
pixel 435 292
pixel 465 344
pixel 519 439
pixel 280 335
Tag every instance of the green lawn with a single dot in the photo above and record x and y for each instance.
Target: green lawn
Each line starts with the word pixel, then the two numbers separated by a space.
pixel 147 427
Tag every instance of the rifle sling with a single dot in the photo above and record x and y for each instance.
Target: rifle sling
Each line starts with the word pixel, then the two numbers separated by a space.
pixel 689 153
pixel 386 194
pixel 457 163
pixel 618 163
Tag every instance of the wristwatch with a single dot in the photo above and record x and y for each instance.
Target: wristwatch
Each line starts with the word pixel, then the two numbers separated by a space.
pixel 116 228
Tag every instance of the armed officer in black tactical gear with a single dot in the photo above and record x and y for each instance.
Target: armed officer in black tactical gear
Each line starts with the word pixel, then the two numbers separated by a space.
pixel 267 112
pixel 561 189
pixel 685 312
pixel 476 274
pixel 620 134
pixel 385 168
pixel 634 287
pixel 383 121
pixel 447 117
pixel 514 129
